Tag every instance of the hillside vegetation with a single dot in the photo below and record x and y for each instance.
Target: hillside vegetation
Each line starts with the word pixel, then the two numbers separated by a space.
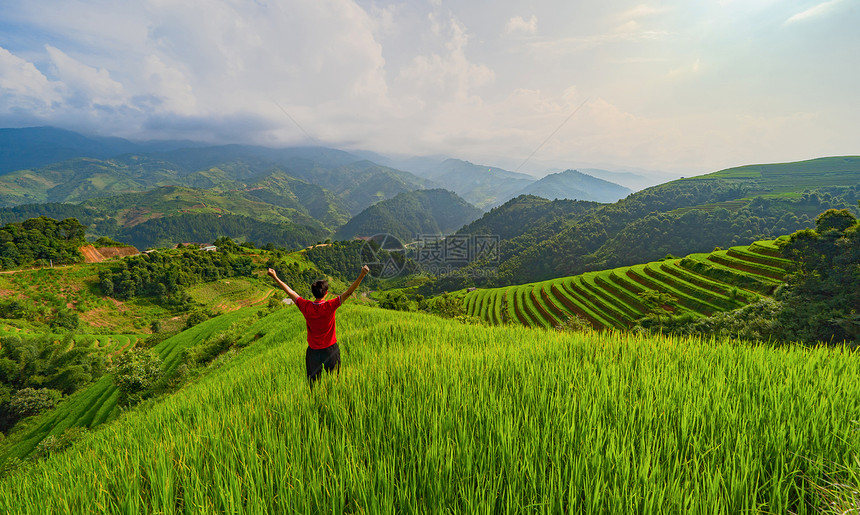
pixel 575 185
pixel 446 416
pixel 298 196
pixel 41 241
pixel 730 208
pixel 435 212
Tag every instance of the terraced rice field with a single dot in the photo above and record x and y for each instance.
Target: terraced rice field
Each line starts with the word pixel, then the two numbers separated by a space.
pixel 699 284
pixel 110 344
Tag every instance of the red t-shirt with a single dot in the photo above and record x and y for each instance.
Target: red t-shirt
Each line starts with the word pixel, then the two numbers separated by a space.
pixel 319 317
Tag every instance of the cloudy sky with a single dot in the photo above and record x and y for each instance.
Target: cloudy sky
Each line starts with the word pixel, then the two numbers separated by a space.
pixel 681 86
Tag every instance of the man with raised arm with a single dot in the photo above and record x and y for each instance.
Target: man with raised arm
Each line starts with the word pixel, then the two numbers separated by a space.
pixel 323 352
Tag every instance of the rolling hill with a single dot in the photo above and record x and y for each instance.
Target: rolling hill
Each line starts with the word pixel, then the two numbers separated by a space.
pixel 34 147
pixel 575 185
pixel 728 208
pixel 435 212
pixel 167 215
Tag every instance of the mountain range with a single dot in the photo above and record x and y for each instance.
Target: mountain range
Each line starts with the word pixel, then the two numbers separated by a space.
pixel 123 184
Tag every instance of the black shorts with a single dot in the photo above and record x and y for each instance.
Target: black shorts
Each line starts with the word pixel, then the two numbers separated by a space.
pixel 317 360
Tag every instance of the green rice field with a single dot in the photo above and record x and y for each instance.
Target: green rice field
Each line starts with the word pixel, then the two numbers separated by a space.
pixel 430 416
pixel 699 285
pixel 782 178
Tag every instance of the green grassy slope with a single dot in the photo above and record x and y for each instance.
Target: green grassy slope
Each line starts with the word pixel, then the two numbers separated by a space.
pixel 98 403
pixel 439 416
pixel 700 284
pixel 781 178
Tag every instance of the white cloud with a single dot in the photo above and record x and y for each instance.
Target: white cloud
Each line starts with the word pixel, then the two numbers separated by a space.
pixel 20 79
pixel 686 70
pixel 518 25
pixel 630 27
pixel 169 85
pixel 91 84
pixel 815 11
pixel 576 44
pixel 641 11
pixel 440 77
pixel 460 78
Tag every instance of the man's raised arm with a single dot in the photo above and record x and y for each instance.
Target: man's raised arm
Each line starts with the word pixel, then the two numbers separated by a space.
pixel 345 295
pixel 290 292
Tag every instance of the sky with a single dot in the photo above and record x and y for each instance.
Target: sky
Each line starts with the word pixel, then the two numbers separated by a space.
pixel 677 86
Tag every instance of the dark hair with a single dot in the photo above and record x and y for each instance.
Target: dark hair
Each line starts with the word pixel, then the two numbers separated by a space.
pixel 319 288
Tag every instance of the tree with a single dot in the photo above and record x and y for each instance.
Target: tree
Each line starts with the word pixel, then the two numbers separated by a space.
pixel 834 220
pixel 657 304
pixel 30 401
pixel 134 373
pixel 821 298
pixel 66 319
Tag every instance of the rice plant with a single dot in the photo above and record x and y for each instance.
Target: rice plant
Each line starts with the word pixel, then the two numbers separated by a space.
pixel 429 415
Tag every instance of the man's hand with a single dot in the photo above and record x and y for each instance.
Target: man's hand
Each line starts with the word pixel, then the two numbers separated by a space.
pixel 364 270
pixel 282 285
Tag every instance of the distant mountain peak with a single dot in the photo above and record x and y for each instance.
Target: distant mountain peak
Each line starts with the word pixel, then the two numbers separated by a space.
pixel 575 185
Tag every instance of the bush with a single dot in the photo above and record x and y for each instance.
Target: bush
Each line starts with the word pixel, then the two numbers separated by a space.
pixel 135 372
pixel 55 444
pixel 30 401
pixel 66 319
pixel 758 321
pixel 195 318
pixel 154 339
pixel 448 306
pixel 573 324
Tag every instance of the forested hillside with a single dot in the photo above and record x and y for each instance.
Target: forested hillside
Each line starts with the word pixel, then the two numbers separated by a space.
pixel 690 215
pixel 575 185
pixel 435 212
pixel 41 241
pixel 527 220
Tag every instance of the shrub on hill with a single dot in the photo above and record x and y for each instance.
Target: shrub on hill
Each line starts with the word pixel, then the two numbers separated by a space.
pixel 40 241
pixel 164 274
pixel 135 372
pixel 30 366
pixel 30 401
pixel 821 298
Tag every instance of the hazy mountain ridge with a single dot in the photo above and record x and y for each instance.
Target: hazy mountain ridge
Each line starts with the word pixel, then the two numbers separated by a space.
pixel 745 203
pixel 575 185
pixel 34 147
pixel 109 166
pixel 435 211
